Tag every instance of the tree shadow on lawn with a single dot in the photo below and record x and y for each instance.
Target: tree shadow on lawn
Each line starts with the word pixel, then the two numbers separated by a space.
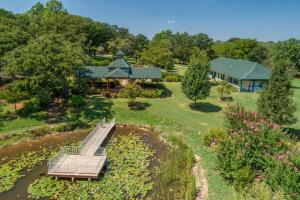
pixel 97 108
pixel 140 106
pixel 167 93
pixel 205 107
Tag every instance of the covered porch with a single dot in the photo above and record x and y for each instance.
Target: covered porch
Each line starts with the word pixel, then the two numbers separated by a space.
pixel 242 85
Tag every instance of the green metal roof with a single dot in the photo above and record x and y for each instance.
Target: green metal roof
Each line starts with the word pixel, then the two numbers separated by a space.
pixel 240 69
pixel 120 68
pixel 117 73
pixel 120 54
pixel 120 63
pixel 133 73
pixel 145 72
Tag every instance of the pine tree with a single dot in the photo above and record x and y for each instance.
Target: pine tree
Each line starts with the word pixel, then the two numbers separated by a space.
pixel 195 84
pixel 275 102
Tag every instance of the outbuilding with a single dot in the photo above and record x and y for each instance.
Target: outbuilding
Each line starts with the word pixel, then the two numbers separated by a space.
pixel 245 75
pixel 120 70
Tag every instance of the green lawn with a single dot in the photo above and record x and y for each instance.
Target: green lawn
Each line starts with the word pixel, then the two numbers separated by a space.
pixel 172 115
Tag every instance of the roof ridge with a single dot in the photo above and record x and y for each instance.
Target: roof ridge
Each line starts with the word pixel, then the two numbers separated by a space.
pixel 252 69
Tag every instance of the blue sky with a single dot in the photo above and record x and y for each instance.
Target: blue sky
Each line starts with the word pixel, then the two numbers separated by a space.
pixel 220 19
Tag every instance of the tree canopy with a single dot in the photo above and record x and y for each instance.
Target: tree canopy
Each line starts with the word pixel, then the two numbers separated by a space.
pixel 288 50
pixel 236 48
pixel 195 83
pixel 47 65
pixel 276 102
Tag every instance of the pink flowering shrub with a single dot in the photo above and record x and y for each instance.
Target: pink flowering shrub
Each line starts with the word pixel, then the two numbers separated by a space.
pixel 258 149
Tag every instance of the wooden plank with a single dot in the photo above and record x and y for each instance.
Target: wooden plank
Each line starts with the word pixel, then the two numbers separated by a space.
pixel 85 164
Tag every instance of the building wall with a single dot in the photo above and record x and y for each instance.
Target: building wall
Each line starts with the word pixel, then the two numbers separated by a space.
pixel 253 85
pixel 244 85
pixel 123 82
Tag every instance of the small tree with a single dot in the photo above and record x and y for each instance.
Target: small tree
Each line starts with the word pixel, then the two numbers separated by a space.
pixel 15 93
pixel 275 102
pixel 225 88
pixel 195 84
pixel 131 91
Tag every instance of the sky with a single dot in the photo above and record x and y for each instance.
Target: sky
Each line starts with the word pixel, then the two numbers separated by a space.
pixel 264 20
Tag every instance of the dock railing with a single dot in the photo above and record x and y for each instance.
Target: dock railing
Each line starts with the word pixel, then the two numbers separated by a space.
pixel 75 150
pixel 91 134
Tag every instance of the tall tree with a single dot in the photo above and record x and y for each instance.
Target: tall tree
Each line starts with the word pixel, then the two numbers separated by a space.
pixel 47 66
pixel 12 33
pixel 195 83
pixel 203 42
pixel 141 42
pixel 158 55
pixel 288 50
pixel 55 6
pixel 276 102
pixel 182 46
pixel 247 49
pixel 15 92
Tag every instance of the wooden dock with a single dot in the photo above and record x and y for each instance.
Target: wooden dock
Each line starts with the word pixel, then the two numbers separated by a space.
pixel 85 160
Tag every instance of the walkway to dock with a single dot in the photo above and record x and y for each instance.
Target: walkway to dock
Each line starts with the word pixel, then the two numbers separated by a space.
pixel 85 160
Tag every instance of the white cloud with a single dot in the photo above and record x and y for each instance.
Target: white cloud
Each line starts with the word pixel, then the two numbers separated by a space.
pixel 171 21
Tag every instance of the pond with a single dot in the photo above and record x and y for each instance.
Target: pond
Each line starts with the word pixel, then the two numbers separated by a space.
pixel 144 147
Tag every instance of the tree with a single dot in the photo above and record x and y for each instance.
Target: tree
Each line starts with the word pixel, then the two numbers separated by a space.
pixel 55 6
pixel 203 42
pixel 47 66
pixel 131 91
pixel 225 88
pixel 12 34
pixel 195 84
pixel 141 42
pixel 288 50
pixel 182 46
pixel 158 55
pixel 15 92
pixel 125 44
pixel 247 49
pixel 275 102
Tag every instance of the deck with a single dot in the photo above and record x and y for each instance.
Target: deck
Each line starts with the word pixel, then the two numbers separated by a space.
pixel 85 160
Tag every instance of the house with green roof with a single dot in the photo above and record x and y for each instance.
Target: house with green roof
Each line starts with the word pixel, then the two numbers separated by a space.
pixel 120 70
pixel 245 75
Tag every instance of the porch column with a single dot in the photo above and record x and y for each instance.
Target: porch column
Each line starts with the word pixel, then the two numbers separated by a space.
pixel 143 82
pixel 94 83
pixel 241 85
pixel 107 84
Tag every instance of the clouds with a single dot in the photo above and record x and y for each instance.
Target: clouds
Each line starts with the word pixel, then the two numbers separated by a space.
pixel 171 21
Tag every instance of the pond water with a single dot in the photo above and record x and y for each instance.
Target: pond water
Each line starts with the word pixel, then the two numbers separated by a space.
pixel 19 191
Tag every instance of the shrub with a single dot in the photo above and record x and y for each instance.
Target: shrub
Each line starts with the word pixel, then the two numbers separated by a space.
pixel 260 190
pixel 63 127
pixel 258 149
pixel 156 93
pixel 172 78
pixel 131 91
pixel 41 131
pixel 214 136
pixel 225 88
pixel 76 100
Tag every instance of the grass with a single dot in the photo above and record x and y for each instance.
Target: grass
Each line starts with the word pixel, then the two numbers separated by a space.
pixel 174 115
